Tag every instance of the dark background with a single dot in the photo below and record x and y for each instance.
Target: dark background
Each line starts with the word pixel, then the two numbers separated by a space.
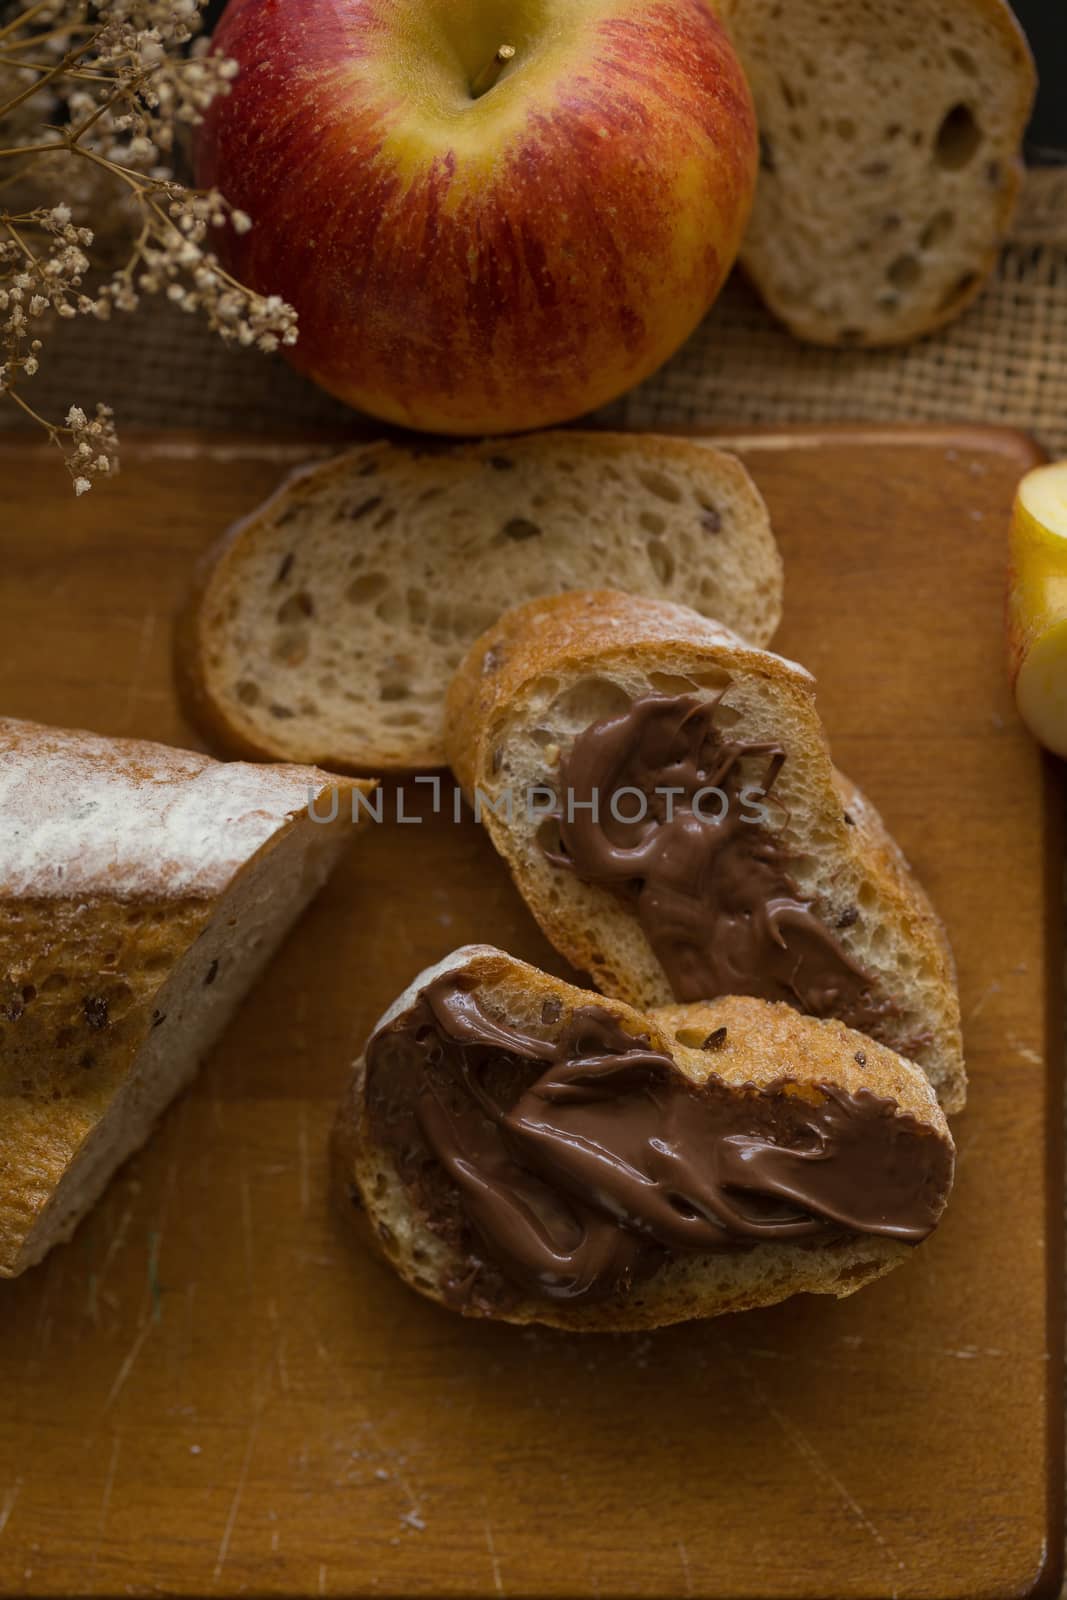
pixel 1045 22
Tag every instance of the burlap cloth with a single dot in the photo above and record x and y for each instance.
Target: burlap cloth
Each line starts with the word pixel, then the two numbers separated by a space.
pixel 1004 361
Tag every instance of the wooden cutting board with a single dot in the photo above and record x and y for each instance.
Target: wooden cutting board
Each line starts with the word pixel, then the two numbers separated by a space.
pixel 214 1391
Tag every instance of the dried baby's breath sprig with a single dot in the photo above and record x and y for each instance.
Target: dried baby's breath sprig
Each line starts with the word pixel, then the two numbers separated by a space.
pixel 93 97
pixel 94 446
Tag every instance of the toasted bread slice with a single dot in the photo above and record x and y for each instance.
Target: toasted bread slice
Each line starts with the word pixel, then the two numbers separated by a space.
pixel 326 626
pixel 550 671
pixel 890 134
pixel 748 1053
pixel 142 890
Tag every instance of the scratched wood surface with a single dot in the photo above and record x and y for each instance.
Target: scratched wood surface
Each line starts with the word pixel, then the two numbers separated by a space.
pixel 213 1391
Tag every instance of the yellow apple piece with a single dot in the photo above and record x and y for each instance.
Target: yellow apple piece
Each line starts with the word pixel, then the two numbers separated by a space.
pixel 1037 604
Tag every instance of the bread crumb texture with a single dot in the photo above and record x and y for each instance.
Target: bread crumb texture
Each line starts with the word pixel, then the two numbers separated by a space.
pixel 328 624
pixel 890 133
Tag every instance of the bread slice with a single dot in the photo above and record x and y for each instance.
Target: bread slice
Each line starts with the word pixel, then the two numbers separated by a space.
pixel 550 670
pixel 890 133
pixel 420 1224
pixel 326 626
pixel 142 889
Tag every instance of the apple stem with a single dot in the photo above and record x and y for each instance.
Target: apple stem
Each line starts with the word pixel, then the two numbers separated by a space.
pixel 491 71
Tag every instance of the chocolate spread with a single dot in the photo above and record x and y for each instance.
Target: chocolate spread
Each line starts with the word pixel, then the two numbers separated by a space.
pixel 709 880
pixel 573 1165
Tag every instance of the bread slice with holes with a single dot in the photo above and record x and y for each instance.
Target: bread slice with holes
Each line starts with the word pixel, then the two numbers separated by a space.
pixel 142 890
pixel 405 1206
pixel 326 626
pixel 890 134
pixel 552 669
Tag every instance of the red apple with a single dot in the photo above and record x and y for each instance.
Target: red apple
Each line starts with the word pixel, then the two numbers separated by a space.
pixel 477 244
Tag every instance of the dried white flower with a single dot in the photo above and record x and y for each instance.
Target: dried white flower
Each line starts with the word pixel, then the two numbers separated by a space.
pixel 94 445
pixel 97 115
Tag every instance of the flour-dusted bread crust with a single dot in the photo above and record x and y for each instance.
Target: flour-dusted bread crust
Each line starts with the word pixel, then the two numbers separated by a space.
pixel 890 135
pixel 764 1042
pixel 326 626
pixel 551 668
pixel 142 889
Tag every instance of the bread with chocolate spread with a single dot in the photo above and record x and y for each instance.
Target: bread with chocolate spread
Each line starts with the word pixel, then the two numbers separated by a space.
pixel 524 1150
pixel 727 856
pixel 326 625
pixel 142 890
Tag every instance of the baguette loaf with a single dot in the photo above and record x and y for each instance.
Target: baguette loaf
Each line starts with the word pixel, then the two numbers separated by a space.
pixel 325 627
pixel 813 903
pixel 890 133
pixel 502 1196
pixel 142 889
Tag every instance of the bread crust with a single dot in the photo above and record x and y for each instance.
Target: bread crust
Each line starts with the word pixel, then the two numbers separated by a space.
pixel 764 1042
pixel 215 709
pixel 814 326
pixel 568 637
pixel 87 814
pixel 115 858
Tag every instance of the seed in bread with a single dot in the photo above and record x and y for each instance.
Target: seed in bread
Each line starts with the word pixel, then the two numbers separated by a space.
pixel 326 626
pixel 523 1150
pixel 142 889
pixel 726 856
pixel 890 134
